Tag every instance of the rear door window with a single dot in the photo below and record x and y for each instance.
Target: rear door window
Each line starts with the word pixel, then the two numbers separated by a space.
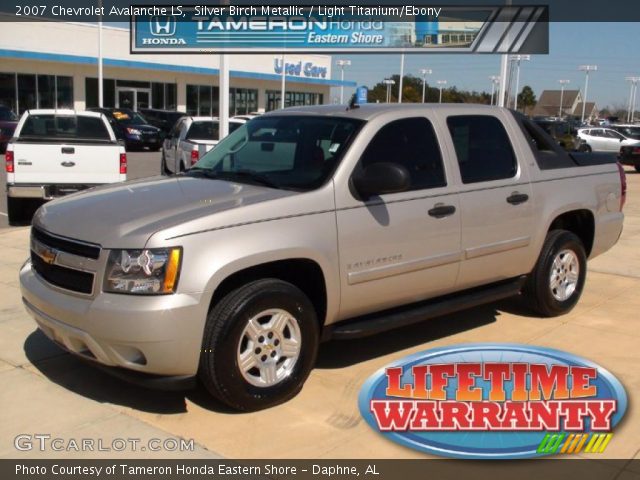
pixel 483 148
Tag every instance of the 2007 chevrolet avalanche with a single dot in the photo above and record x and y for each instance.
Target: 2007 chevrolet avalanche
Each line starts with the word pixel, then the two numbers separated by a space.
pixel 314 223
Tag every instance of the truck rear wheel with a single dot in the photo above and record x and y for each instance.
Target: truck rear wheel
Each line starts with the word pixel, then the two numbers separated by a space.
pixel 555 285
pixel 260 344
pixel 16 211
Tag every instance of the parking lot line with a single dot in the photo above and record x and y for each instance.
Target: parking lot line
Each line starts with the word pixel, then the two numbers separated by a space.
pixel 2 213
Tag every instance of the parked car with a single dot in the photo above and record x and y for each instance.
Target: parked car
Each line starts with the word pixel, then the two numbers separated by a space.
pixel 58 152
pixel 162 119
pixel 605 139
pixel 628 130
pixel 132 128
pixel 630 156
pixel 8 123
pixel 190 139
pixel 561 132
pixel 313 223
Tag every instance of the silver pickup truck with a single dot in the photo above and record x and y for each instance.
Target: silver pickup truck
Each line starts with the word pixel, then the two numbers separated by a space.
pixel 314 223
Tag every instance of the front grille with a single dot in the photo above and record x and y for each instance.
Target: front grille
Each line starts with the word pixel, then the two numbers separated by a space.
pixel 69 246
pixel 67 278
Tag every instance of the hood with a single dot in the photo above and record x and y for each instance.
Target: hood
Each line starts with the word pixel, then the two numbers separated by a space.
pixel 127 214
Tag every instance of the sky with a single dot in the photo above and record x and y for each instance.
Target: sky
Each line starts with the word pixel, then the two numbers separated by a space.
pixel 613 47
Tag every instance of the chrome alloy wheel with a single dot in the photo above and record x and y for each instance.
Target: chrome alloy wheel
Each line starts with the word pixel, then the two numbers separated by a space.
pixel 269 348
pixel 564 275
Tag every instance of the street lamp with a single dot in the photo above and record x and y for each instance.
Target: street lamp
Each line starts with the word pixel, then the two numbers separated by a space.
pixel 389 82
pixel 424 72
pixel 495 80
pixel 586 69
pixel 632 97
pixel 562 84
pixel 518 59
pixel 401 78
pixel 342 64
pixel 441 83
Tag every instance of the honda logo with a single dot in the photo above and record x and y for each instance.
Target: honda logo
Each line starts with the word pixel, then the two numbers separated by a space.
pixel 163 26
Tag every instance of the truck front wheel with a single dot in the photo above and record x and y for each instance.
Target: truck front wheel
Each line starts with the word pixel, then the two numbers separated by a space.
pixel 555 285
pixel 260 344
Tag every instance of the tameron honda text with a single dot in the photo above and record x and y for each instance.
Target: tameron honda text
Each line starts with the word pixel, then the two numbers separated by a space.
pixel 494 401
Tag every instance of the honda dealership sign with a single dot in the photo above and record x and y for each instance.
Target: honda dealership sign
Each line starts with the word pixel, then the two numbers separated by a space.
pixel 214 29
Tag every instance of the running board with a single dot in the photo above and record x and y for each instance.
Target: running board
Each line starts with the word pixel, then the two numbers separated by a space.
pixel 378 322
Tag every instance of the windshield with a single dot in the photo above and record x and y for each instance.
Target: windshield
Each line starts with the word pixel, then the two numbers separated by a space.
pixel 630 132
pixel 129 117
pixel 7 115
pixel 207 130
pixel 290 152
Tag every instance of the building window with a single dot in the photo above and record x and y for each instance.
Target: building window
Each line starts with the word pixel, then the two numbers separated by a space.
pixel 64 92
pixel 242 101
pixel 26 93
pixel 8 90
pixel 46 91
pixel 293 99
pixel 22 91
pixel 108 92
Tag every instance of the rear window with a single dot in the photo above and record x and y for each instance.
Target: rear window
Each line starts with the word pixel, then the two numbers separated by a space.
pixel 203 131
pixel 64 127
pixel 483 148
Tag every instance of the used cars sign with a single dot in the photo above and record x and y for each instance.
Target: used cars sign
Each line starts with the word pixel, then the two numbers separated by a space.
pixel 495 401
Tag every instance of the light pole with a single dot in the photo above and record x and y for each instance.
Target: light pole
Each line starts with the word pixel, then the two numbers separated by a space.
pixel 441 83
pixel 283 83
pixel 562 84
pixel 495 80
pixel 401 75
pixel 632 97
pixel 424 72
pixel 388 82
pixel 342 64
pixel 586 69
pixel 518 59
pixel 100 74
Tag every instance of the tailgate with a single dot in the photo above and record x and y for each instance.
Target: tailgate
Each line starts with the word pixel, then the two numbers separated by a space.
pixel 66 163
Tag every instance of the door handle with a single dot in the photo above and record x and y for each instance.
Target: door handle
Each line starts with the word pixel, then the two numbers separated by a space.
pixel 516 198
pixel 68 164
pixel 68 150
pixel 440 210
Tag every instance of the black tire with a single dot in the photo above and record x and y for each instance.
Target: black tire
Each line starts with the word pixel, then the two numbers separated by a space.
pixel 219 370
pixel 637 167
pixel 538 291
pixel 586 149
pixel 16 211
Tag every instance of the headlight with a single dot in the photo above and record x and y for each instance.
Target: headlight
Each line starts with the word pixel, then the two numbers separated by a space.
pixel 134 131
pixel 144 272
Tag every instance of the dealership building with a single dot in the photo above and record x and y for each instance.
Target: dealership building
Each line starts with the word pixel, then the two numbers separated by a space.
pixel 55 65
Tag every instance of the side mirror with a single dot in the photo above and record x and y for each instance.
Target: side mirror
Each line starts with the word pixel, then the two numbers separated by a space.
pixel 380 178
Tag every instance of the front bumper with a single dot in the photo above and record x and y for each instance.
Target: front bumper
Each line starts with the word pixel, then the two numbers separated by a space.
pixel 143 142
pixel 160 335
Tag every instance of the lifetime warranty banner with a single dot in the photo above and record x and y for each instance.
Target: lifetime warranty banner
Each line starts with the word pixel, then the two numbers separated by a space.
pixel 327 29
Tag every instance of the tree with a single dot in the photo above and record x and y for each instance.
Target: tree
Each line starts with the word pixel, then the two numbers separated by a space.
pixel 412 92
pixel 526 98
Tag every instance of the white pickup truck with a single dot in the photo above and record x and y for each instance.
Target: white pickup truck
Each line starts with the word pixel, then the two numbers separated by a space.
pixel 57 152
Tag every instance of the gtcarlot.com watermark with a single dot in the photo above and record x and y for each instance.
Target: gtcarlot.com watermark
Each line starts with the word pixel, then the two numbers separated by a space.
pixel 44 442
